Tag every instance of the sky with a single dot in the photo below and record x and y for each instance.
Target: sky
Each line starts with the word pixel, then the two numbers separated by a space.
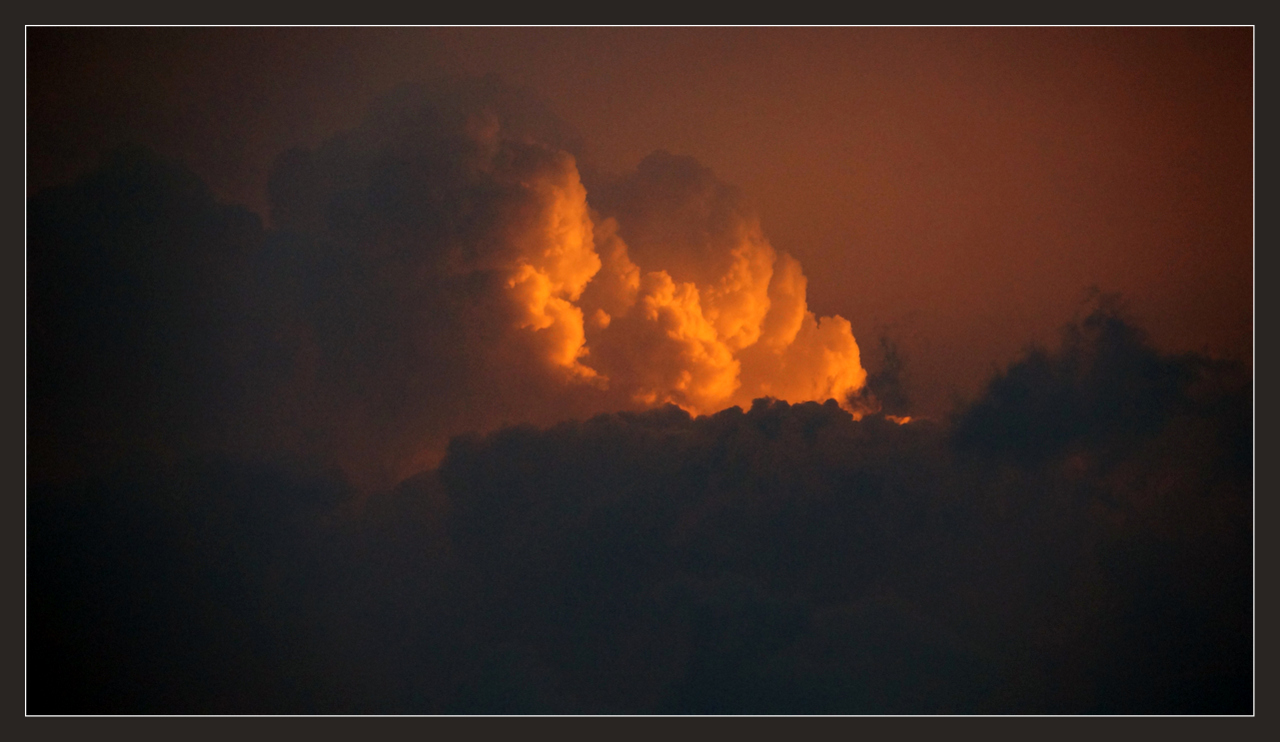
pixel 958 190
pixel 652 371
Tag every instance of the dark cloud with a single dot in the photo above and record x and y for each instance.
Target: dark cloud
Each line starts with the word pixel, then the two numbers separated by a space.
pixel 403 236
pixel 782 559
pixel 1106 384
pixel 188 589
pixel 373 320
pixel 136 307
pixel 893 568
pixel 885 391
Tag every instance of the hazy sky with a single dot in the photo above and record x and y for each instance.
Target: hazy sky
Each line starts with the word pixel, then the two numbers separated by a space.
pixel 956 189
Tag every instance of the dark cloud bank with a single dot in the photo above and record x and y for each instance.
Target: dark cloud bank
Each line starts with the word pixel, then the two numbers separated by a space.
pixel 221 415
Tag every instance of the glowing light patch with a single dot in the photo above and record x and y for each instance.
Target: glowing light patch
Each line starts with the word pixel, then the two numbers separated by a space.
pixel 740 331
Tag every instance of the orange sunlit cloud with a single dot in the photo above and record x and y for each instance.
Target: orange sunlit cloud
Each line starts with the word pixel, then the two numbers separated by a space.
pixel 740 330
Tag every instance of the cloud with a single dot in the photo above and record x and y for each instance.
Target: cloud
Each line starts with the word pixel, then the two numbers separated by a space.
pixel 719 310
pixel 441 247
pixel 1106 387
pixel 885 568
pixel 659 289
pixel 136 283
pixel 667 489
pixel 438 269
pixel 785 558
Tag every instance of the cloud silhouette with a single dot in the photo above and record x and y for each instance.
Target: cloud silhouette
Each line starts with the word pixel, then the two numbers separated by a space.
pixel 782 559
pixel 135 290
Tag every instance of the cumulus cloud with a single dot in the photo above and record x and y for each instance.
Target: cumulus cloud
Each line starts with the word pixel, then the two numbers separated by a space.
pixel 659 289
pixel 438 269
pixel 722 313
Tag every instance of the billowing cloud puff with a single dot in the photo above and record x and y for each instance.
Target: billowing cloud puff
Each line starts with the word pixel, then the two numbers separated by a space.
pixel 499 289
pixel 801 356
pixel 722 316
pixel 442 268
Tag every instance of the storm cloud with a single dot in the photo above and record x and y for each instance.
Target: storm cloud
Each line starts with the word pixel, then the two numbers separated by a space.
pixel 782 559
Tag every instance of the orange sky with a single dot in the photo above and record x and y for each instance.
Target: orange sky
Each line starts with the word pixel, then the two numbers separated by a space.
pixel 956 189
